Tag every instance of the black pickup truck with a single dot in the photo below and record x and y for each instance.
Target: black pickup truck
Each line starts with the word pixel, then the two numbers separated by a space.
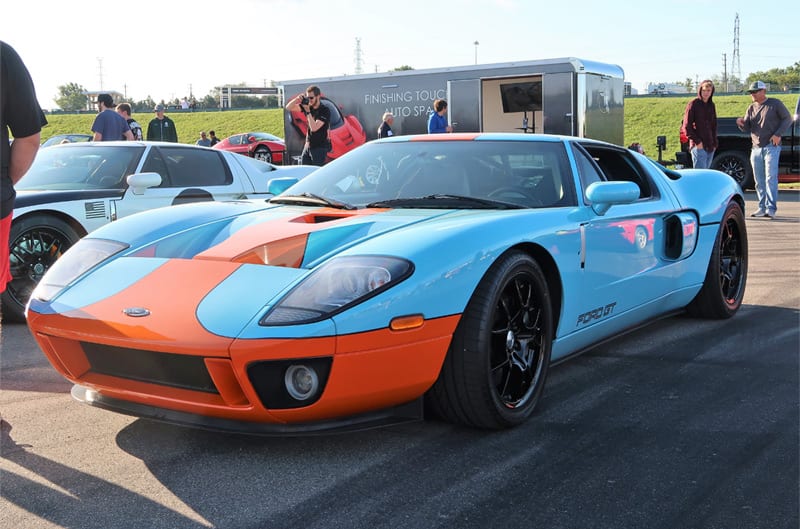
pixel 733 152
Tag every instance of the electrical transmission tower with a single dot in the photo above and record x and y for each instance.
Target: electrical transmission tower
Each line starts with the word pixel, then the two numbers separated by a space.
pixel 358 59
pixel 736 66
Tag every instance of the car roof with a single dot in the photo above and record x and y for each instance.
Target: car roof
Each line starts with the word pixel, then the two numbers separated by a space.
pixel 125 143
pixel 484 136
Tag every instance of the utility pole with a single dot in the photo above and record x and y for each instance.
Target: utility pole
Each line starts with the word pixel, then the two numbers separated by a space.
pixel 476 51
pixel 725 72
pixel 100 71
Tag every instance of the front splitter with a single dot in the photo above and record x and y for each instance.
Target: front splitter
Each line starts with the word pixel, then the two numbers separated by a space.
pixel 409 412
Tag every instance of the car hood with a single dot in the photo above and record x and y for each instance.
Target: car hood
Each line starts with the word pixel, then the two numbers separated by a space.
pixel 225 273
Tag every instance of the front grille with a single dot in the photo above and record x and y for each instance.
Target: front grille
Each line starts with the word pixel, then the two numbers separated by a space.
pixel 166 369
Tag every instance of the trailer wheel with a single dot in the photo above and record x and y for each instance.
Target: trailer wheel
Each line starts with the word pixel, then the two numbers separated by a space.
pixel 737 165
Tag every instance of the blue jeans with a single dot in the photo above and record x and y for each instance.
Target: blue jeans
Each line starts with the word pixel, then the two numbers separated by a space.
pixel 765 172
pixel 701 158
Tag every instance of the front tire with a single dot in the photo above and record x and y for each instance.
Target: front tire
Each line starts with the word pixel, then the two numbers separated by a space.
pixel 726 277
pixel 35 244
pixel 263 154
pixel 497 364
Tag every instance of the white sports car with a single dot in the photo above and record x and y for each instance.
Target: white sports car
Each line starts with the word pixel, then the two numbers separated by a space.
pixel 75 188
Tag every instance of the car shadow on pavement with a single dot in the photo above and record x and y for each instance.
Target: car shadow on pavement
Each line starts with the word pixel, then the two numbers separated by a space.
pixel 51 491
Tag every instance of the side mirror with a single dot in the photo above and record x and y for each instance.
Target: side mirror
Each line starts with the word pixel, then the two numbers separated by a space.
pixel 603 195
pixel 139 182
pixel 276 186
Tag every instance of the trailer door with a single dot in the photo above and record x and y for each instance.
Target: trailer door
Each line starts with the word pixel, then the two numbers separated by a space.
pixel 464 105
pixel 558 104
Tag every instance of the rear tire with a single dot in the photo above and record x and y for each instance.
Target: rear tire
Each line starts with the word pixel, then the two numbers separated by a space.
pixel 726 277
pixel 497 364
pixel 735 164
pixel 35 244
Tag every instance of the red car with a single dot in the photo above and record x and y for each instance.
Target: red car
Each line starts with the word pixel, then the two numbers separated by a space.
pixel 262 146
pixel 345 132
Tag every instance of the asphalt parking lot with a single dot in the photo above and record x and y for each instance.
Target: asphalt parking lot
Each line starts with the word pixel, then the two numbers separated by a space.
pixel 682 424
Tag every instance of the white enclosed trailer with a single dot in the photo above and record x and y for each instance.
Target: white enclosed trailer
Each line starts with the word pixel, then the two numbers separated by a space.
pixel 569 96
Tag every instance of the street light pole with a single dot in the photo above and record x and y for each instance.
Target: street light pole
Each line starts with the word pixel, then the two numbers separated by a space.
pixel 476 51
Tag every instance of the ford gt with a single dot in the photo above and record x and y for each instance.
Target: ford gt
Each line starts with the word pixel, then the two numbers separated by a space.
pixel 414 276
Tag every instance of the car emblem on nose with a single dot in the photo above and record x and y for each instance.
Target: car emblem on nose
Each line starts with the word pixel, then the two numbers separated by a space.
pixel 136 312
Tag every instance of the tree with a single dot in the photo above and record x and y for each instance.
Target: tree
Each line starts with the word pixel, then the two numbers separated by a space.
pixel 72 96
pixel 779 79
pixel 210 100
pixel 402 68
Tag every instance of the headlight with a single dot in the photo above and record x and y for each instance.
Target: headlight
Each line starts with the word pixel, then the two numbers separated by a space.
pixel 75 261
pixel 336 285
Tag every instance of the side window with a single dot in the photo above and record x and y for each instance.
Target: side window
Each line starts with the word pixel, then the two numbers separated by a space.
pixel 182 167
pixel 618 165
pixel 155 164
pixel 587 170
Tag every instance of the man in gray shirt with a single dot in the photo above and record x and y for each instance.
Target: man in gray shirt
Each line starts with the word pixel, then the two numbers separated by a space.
pixel 766 120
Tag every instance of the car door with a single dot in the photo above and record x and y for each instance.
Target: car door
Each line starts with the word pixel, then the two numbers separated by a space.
pixel 239 144
pixel 188 174
pixel 622 261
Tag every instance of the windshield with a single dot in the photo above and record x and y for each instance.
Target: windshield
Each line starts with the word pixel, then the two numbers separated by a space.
pixel 70 167
pixel 265 136
pixel 436 173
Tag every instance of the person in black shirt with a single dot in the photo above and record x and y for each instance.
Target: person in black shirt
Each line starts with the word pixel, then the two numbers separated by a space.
pixel 385 130
pixel 124 110
pixel 21 114
pixel 318 119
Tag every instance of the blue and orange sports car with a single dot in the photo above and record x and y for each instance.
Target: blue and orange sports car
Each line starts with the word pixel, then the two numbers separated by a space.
pixel 417 274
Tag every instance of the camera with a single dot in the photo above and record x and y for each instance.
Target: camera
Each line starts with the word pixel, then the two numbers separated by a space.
pixel 304 100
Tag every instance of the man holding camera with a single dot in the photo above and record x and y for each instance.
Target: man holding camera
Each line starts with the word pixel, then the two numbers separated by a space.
pixel 318 119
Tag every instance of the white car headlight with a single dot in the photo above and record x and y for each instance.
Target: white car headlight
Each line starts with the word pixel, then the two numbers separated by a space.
pixel 84 255
pixel 336 285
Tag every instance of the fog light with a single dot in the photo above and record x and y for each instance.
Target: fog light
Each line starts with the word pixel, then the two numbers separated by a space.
pixel 301 382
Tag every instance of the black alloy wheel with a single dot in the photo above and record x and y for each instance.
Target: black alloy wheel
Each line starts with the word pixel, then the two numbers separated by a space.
pixel 497 364
pixel 36 243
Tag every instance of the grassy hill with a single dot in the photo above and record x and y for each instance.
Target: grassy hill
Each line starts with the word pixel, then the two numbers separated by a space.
pixel 189 124
pixel 645 119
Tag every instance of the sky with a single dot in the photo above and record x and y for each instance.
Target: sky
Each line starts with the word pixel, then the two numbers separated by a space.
pixel 169 50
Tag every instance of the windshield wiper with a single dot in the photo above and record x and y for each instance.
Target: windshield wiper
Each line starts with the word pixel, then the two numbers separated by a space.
pixel 304 199
pixel 437 200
